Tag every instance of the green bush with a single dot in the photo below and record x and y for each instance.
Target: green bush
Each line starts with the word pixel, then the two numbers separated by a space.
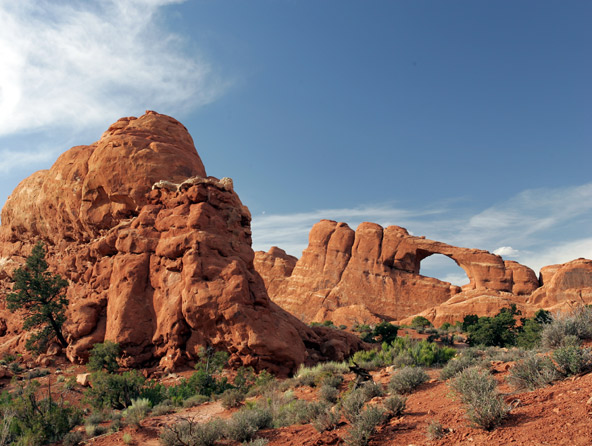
pixel 104 356
pixel 500 330
pixel 532 372
pixel 34 420
pixel 529 335
pixel 116 391
pixel 407 379
pixel 477 390
pixel 420 322
pixel 573 360
pixel 189 432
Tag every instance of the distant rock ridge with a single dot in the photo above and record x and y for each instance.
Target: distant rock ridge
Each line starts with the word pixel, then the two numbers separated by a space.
pixel 373 272
pixel 158 255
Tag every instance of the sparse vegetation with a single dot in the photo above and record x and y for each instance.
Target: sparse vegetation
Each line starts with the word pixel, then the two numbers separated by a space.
pixel 41 297
pixel 407 380
pixel 435 430
pixel 532 372
pixel 364 426
pixel 104 356
pixel 395 405
pixel 478 392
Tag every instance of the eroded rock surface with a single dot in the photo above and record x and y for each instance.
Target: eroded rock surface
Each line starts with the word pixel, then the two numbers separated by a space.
pixel 379 269
pixel 158 255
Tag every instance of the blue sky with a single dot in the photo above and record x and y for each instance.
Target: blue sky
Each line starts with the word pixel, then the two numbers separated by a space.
pixel 464 121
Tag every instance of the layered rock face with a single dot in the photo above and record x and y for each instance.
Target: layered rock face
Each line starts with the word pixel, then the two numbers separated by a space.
pixel 563 288
pixel 377 269
pixel 158 255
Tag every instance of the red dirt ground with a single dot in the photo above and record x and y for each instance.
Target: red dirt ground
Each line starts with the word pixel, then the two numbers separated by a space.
pixel 555 415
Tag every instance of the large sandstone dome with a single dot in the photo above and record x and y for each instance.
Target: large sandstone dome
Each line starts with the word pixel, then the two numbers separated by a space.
pixel 158 255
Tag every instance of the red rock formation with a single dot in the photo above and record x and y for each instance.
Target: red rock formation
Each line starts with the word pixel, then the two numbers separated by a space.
pixel 158 255
pixel 565 286
pixel 378 268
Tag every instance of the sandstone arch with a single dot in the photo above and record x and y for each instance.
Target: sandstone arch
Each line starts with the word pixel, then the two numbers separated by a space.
pixel 377 269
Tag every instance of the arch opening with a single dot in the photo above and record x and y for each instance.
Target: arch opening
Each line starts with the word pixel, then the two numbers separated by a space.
pixel 441 267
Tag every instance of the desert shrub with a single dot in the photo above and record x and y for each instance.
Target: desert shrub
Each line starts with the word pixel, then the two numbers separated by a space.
pixel 435 430
pixel 578 324
pixel 15 368
pixel 364 427
pixel 72 438
pixel 116 391
pixel 329 394
pixel 137 411
pixel 371 389
pixel 326 418
pixel 195 400
pixel 395 405
pixel 332 381
pixel 420 322
pixel 232 398
pixel 294 412
pixel 256 442
pixel 572 360
pixel 96 417
pixel 36 373
pixel 94 430
pixel 163 408
pixel 492 353
pixel 127 438
pixel 104 356
pixel 191 433
pixel 244 424
pixel 407 379
pixel 153 391
pixel 532 372
pixel 477 390
pixel 352 404
pixel 457 365
pixel 320 373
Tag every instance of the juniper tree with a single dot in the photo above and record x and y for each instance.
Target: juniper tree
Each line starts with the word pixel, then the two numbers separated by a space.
pixel 41 296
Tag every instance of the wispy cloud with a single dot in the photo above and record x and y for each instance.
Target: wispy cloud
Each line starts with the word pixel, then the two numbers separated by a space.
pixel 290 231
pixel 537 227
pixel 72 64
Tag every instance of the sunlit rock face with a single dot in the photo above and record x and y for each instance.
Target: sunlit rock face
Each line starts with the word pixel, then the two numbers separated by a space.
pixel 375 271
pixel 158 255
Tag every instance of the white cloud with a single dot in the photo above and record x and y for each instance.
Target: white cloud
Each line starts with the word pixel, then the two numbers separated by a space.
pixel 74 64
pixel 10 159
pixel 506 251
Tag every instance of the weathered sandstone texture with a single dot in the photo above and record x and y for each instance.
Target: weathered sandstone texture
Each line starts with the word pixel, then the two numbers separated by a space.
pixel 378 269
pixel 158 255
